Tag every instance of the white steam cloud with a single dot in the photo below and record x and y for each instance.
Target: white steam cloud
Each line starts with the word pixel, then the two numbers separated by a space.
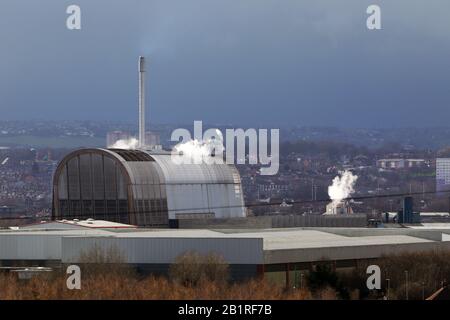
pixel 129 144
pixel 194 150
pixel 200 151
pixel 342 186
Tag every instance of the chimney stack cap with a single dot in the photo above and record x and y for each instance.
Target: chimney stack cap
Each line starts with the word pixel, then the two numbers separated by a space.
pixel 141 64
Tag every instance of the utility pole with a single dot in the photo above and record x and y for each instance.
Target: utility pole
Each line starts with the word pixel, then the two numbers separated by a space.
pixel 423 191
pixel 295 276
pixel 301 280
pixel 423 290
pixel 388 285
pixel 406 285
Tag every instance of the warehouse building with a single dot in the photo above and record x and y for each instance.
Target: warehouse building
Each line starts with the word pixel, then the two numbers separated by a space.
pixel 143 188
pixel 273 253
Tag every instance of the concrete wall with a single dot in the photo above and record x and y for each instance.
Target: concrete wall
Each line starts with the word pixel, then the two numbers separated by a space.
pixel 319 221
pixel 278 221
pixel 232 223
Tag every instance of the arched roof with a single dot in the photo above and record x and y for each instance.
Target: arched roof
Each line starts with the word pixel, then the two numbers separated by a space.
pixel 190 188
pixel 195 173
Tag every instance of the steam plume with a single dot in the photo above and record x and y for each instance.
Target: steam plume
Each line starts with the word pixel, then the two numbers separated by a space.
pixel 130 144
pixel 342 186
pixel 198 151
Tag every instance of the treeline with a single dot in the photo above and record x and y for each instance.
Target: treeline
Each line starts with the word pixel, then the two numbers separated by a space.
pixel 195 276
pixel 327 148
pixel 336 150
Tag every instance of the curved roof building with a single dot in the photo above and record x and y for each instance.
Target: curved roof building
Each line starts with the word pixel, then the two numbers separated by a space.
pixel 143 188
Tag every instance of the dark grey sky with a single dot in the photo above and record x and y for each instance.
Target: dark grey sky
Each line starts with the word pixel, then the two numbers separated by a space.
pixel 306 62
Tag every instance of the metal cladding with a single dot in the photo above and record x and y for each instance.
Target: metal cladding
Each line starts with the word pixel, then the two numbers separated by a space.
pixel 157 248
pixel 141 67
pixel 143 188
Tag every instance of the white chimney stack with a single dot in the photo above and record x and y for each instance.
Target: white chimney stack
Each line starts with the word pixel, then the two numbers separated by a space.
pixel 141 102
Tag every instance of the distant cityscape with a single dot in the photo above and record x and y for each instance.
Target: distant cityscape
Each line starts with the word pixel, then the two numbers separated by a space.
pixel 385 161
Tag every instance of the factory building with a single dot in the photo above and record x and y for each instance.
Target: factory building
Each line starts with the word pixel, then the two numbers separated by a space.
pixel 442 174
pixel 143 188
pixel 278 254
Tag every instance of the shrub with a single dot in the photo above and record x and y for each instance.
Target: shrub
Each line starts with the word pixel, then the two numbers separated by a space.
pixel 192 268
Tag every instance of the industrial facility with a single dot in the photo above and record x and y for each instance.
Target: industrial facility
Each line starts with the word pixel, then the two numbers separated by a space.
pixel 143 188
pixel 273 253
pixel 127 199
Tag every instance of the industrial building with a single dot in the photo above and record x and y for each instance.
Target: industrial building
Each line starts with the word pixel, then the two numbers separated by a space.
pixel 143 188
pixel 400 163
pixel 442 174
pixel 274 253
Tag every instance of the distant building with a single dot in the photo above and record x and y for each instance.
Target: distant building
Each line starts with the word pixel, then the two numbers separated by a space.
pixel 442 174
pixel 407 214
pixel 114 136
pixel 341 207
pixel 400 163
pixel 152 138
pixel 413 163
pixel 6 210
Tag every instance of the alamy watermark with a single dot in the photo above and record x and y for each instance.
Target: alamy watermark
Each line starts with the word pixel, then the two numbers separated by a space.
pixel 209 147
pixel 374 280
pixel 73 21
pixel 73 281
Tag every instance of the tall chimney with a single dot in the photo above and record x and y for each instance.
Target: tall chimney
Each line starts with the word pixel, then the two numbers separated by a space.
pixel 141 102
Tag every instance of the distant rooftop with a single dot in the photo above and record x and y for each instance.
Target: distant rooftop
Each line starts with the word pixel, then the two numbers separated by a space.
pixel 77 224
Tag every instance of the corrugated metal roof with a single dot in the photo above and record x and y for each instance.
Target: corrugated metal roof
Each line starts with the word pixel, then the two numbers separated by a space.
pixel 76 224
pixel 190 188
pixel 195 173
pixel 201 188
pixel 162 246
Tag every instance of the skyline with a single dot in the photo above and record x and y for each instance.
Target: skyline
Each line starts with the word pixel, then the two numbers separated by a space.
pixel 307 64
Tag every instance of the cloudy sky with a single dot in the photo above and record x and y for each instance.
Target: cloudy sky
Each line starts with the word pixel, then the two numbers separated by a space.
pixel 305 62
